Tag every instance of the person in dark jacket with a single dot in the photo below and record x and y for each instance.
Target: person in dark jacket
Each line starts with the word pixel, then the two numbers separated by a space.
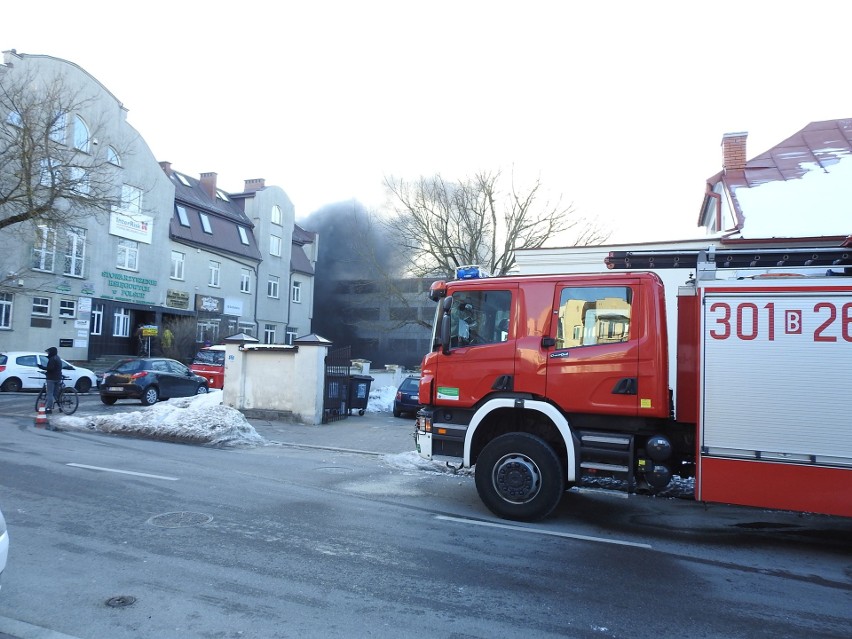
pixel 52 376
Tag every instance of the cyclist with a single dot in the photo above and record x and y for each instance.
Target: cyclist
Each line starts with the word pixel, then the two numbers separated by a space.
pixel 53 377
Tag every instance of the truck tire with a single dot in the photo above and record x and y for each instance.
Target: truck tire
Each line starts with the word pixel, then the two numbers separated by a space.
pixel 519 476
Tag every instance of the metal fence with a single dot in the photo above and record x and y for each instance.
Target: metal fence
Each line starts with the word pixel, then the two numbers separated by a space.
pixel 336 388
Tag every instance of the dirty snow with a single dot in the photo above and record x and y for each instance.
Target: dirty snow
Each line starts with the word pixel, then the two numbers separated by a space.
pixel 201 419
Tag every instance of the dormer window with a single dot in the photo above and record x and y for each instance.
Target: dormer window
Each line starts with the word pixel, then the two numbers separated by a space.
pixel 182 216
pixel 243 235
pixel 205 223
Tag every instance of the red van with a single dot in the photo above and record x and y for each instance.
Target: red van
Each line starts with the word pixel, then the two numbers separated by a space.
pixel 209 362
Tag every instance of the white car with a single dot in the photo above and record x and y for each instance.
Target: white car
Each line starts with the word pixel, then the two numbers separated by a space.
pixel 18 371
pixel 4 545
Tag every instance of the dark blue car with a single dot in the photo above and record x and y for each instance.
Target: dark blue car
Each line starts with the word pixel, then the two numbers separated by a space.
pixel 407 399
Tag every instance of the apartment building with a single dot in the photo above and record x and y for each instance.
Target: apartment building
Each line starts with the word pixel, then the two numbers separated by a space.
pixel 142 244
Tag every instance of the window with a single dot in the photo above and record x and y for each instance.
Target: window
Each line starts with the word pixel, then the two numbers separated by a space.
pixel 274 245
pixel 245 280
pixel 44 249
pixel 80 184
pixel 215 270
pixel 5 310
pixel 205 223
pixel 177 265
pixel 296 292
pixel 41 306
pixel 593 315
pixel 128 254
pixel 121 323
pixel 57 128
pixel 243 235
pixel 182 216
pixel 207 331
pixel 245 327
pixel 479 317
pixel 131 200
pixel 51 172
pixel 269 333
pixel 14 118
pixel 113 157
pixel 275 217
pixel 75 252
pixel 290 336
pixel 81 134
pixel 68 309
pixel 97 327
pixel 222 195
pixel 272 286
pixel 403 313
pixel 183 179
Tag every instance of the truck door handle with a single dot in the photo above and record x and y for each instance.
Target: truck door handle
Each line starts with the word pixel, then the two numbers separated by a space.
pixel 625 386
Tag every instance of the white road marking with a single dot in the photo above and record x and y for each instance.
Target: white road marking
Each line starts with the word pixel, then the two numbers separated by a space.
pixel 124 472
pixel 539 531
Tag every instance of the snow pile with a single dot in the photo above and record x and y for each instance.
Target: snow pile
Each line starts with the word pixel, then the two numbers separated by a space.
pixel 201 419
pixel 381 399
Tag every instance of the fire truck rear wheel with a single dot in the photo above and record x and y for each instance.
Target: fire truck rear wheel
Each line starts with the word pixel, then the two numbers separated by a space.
pixel 519 476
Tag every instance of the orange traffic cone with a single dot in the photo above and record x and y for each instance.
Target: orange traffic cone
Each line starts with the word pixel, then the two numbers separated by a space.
pixel 41 417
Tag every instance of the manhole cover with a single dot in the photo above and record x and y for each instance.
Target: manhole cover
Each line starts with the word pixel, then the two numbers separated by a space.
pixel 180 519
pixel 120 601
pixel 335 469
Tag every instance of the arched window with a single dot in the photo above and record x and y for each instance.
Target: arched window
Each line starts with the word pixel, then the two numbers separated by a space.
pixel 81 134
pixel 276 215
pixel 14 118
pixel 112 156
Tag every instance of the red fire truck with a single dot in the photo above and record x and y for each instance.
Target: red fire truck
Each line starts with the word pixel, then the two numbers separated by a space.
pixel 541 381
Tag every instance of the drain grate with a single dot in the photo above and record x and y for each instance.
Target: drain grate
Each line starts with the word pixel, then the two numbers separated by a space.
pixel 180 519
pixel 121 601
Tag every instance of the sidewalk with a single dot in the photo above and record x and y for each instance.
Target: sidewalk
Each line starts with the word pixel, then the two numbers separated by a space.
pixel 373 433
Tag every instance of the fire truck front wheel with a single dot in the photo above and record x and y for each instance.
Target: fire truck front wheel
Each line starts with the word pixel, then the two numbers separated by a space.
pixel 519 476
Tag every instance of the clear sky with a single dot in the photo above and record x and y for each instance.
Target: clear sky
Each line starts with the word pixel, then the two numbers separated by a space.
pixel 618 106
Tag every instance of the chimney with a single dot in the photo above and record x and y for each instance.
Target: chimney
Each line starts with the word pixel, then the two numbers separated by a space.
pixel 255 184
pixel 734 151
pixel 167 167
pixel 208 183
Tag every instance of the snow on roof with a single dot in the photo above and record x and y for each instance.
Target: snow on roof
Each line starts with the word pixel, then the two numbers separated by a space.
pixel 817 204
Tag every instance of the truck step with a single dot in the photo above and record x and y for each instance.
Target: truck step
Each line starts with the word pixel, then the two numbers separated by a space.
pixel 612 468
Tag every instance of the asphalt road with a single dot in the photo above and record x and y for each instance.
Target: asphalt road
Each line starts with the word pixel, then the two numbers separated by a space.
pixel 333 531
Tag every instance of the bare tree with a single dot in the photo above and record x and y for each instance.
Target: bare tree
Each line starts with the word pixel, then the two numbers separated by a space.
pixel 53 173
pixel 442 225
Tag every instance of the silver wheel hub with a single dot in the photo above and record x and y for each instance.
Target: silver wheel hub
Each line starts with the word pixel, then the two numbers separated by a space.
pixel 516 478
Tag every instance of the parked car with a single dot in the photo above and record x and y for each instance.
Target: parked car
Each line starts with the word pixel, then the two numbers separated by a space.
pixel 4 546
pixel 149 379
pixel 407 399
pixel 19 371
pixel 209 362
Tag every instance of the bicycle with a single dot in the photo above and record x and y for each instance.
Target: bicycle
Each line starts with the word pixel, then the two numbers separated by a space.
pixel 67 401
